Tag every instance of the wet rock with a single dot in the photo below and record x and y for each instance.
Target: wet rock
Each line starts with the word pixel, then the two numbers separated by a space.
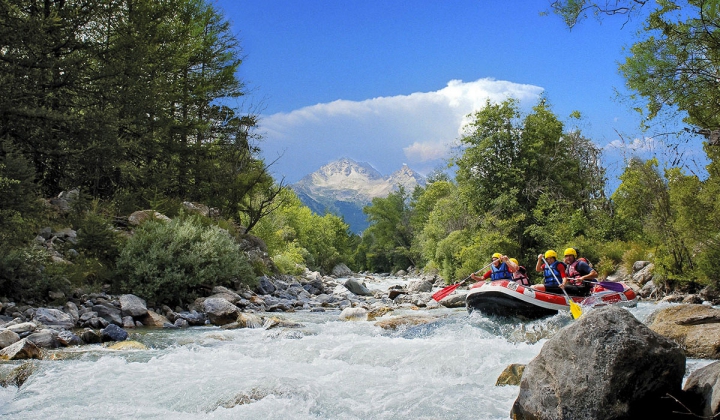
pixel 354 314
pixel 511 375
pixel 153 319
pixel 275 322
pixel 703 386
pixel 131 305
pixel 46 339
pixel 404 321
pixel 67 338
pixel 18 376
pixel 393 293
pixel 113 333
pixel 245 320
pixel 127 345
pixel 341 270
pixel 53 318
pixel 23 349
pixel 181 323
pixel 128 322
pixel 108 312
pixel 219 311
pixel 378 313
pixel 90 336
pixel 356 287
pixel 8 337
pixel 695 327
pixel 192 317
pixel 606 365
pixel 455 300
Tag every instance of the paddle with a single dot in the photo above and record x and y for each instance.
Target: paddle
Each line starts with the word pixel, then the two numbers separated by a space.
pixel 610 285
pixel 575 309
pixel 440 294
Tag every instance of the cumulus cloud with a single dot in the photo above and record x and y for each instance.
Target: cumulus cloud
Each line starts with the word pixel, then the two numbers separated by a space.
pixel 647 144
pixel 418 128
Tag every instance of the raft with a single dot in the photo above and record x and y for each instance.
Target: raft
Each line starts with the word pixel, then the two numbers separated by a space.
pixel 508 298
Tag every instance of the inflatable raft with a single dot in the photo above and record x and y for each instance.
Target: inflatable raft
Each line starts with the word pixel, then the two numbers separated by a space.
pixel 507 298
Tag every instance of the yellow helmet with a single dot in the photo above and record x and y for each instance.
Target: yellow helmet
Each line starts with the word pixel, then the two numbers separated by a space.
pixel 514 261
pixel 550 254
pixel 570 251
pixel 497 255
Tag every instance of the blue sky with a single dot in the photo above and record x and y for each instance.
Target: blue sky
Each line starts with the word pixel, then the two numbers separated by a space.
pixel 390 82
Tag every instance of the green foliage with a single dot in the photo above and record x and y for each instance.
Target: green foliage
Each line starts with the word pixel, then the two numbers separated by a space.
pixel 29 274
pixel 388 238
pixel 167 262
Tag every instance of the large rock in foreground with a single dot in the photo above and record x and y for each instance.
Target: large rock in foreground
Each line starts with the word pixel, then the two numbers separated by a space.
pixel 703 386
pixel 220 311
pixel 23 349
pixel 695 327
pixel 606 365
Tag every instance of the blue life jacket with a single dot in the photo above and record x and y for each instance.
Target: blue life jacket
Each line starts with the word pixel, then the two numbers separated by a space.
pixel 500 273
pixel 549 271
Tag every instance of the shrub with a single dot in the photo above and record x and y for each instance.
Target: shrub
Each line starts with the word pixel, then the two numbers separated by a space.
pixel 168 262
pixel 29 274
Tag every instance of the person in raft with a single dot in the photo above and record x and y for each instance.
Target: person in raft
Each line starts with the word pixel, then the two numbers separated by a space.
pixel 519 272
pixel 500 269
pixel 579 273
pixel 554 274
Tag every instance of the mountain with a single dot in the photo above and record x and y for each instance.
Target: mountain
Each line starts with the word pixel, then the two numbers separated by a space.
pixel 344 187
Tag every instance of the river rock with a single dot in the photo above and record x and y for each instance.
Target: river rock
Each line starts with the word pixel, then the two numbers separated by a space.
pixel 511 375
pixel 131 305
pixel 67 338
pixel 644 275
pixel 127 345
pixel 606 365
pixel 265 286
pixel 23 349
pixel 89 336
pixel 356 287
pixel 108 312
pixel 22 328
pixel 341 270
pixel 193 317
pixel 153 319
pixel 404 321
pixel 8 337
pixel 19 375
pixel 353 314
pixel 46 339
pixel 72 310
pixel 455 300
pixel 53 318
pixel 219 311
pixel 695 327
pixel 128 322
pixel 246 320
pixel 416 286
pixel 376 313
pixel 703 387
pixel 113 333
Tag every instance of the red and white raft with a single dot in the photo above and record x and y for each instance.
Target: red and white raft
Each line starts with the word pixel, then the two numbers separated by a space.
pixel 507 298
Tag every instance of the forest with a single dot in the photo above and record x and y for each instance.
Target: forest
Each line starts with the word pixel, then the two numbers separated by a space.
pixel 136 104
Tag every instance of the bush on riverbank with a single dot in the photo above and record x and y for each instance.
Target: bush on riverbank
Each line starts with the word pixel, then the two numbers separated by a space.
pixel 168 262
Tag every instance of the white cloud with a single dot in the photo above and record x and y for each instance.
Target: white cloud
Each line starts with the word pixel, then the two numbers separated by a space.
pixel 384 131
pixel 647 144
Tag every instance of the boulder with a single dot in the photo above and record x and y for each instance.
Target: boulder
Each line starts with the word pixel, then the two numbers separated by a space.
pixel 378 313
pixel 67 338
pixel 153 319
pixel 127 345
pixel 108 312
pixel 606 365
pixel 192 317
pixel 22 328
pixel 511 375
pixel 53 318
pixel 649 290
pixel 404 321
pixel 19 375
pixel 357 287
pixel 416 286
pixel 46 339
pixel 131 305
pixel 354 314
pixel 341 270
pixel 23 349
pixel 703 386
pixel 639 265
pixel 694 327
pixel 8 337
pixel 219 311
pixel 455 300
pixel 113 333
pixel 72 310
pixel 128 322
pixel 265 286
pixel 644 275
pixel 140 216
pixel 89 336
pixel 245 320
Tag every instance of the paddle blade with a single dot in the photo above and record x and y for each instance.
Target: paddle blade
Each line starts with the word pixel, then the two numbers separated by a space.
pixel 440 294
pixel 575 309
pixel 611 285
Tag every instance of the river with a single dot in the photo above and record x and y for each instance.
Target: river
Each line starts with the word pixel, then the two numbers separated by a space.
pixel 326 369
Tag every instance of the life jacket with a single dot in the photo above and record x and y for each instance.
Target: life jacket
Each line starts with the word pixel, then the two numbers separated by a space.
pixel 548 272
pixel 520 276
pixel 501 272
pixel 572 272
